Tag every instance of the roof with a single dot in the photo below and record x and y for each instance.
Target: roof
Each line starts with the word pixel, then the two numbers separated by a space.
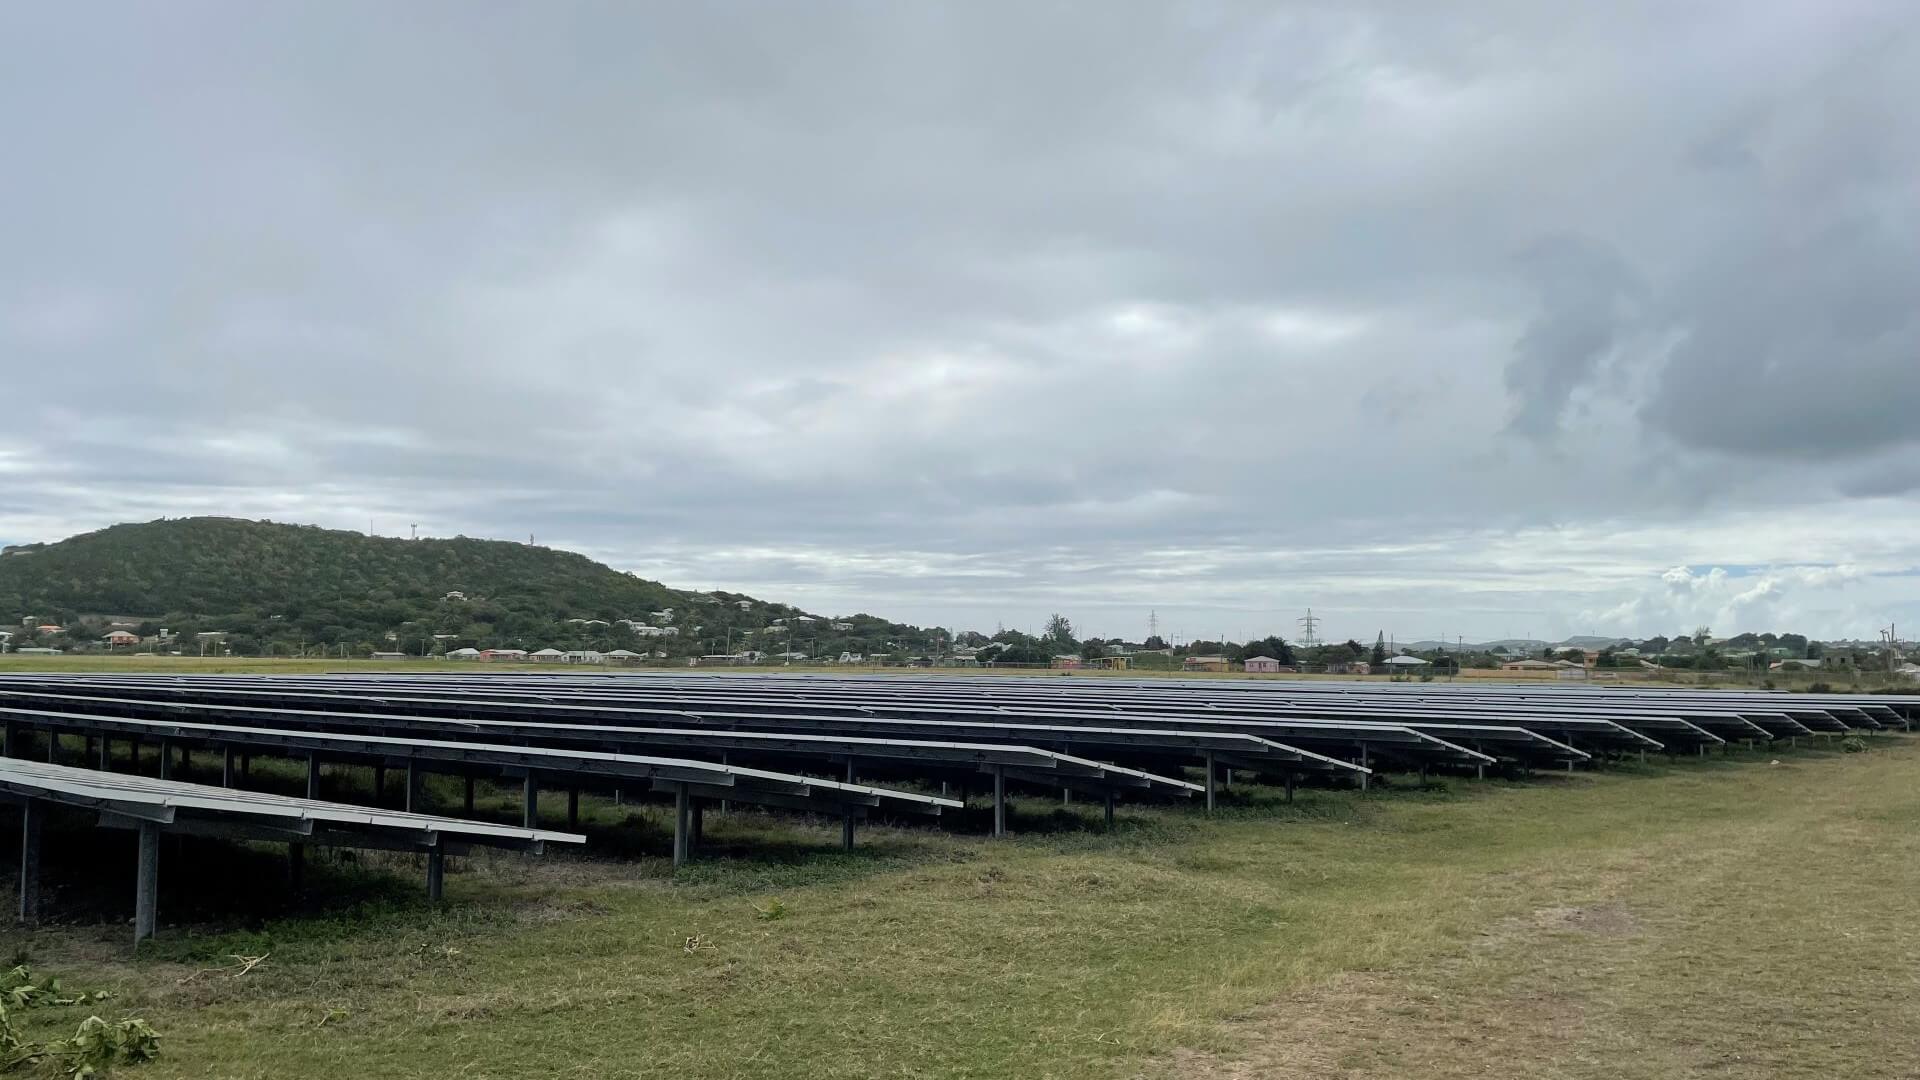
pixel 1407 661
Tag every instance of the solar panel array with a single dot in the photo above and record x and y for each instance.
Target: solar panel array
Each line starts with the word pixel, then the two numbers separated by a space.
pixel 857 747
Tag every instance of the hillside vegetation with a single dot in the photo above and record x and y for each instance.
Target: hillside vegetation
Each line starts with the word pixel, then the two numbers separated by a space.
pixel 274 588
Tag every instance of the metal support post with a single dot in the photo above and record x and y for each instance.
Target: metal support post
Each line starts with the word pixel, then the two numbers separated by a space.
pixel 682 824
pixel 379 783
pixel 297 867
pixel 226 767
pixel 1289 787
pixel 999 800
pixel 468 802
pixel 416 788
pixel 436 874
pixel 32 814
pixel 166 759
pixel 1109 811
pixel 846 833
pixel 313 776
pixel 530 803
pixel 146 887
pixel 1210 772
pixel 573 808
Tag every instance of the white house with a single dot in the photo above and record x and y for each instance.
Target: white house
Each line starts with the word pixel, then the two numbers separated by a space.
pixel 464 654
pixel 582 656
pixel 548 656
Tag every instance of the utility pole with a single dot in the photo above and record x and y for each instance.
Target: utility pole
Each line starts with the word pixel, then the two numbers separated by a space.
pixel 413 531
pixel 1308 623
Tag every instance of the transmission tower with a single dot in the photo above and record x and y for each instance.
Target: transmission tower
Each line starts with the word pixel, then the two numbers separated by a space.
pixel 1153 624
pixel 1308 623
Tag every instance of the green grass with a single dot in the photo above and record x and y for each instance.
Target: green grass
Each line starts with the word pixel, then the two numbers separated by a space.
pixel 1731 918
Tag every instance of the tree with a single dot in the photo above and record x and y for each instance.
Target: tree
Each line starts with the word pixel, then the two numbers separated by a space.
pixel 1059 633
pixel 1154 641
pixel 1380 648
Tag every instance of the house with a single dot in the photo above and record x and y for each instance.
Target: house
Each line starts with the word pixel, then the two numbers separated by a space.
pixel 50 628
pixel 1789 665
pixel 1068 662
pixel 1526 665
pixel 547 656
pixel 1204 663
pixel 464 654
pixel 583 656
pixel 456 595
pixel 36 652
pixel 391 656
pixel 806 618
pixel 587 622
pixel 1262 665
pixel 743 605
pixel 841 626
pixel 504 654
pixel 1112 663
pixel 664 614
pixel 1405 664
pixel 852 658
pixel 121 637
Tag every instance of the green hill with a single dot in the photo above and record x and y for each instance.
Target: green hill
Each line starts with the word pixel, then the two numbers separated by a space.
pixel 275 589
pixel 264 580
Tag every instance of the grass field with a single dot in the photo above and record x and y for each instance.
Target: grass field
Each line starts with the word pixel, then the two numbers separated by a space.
pixel 1728 918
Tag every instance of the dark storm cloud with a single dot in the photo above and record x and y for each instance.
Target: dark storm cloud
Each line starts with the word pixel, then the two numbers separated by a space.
pixel 981 307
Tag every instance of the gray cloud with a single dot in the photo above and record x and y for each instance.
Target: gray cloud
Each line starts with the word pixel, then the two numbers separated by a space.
pixel 981 309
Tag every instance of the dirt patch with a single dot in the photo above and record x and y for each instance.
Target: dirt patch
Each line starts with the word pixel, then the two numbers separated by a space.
pixel 1500 1008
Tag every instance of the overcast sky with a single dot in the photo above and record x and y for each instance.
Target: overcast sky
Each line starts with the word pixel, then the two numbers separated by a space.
pixel 1482 319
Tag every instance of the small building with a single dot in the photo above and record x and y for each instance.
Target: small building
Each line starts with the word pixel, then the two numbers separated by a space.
pixel 852 658
pixel 121 637
pixel 1262 665
pixel 510 655
pixel 1404 664
pixel 456 595
pixel 583 656
pixel 1204 663
pixel 1526 665
pixel 391 656
pixel 464 654
pixel 841 626
pixel 1112 663
pixel 1068 662
pixel 37 652
pixel 623 656
pixel 547 656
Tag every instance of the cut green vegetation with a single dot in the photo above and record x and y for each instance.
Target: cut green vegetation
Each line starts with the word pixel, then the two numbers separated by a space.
pixel 1743 917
